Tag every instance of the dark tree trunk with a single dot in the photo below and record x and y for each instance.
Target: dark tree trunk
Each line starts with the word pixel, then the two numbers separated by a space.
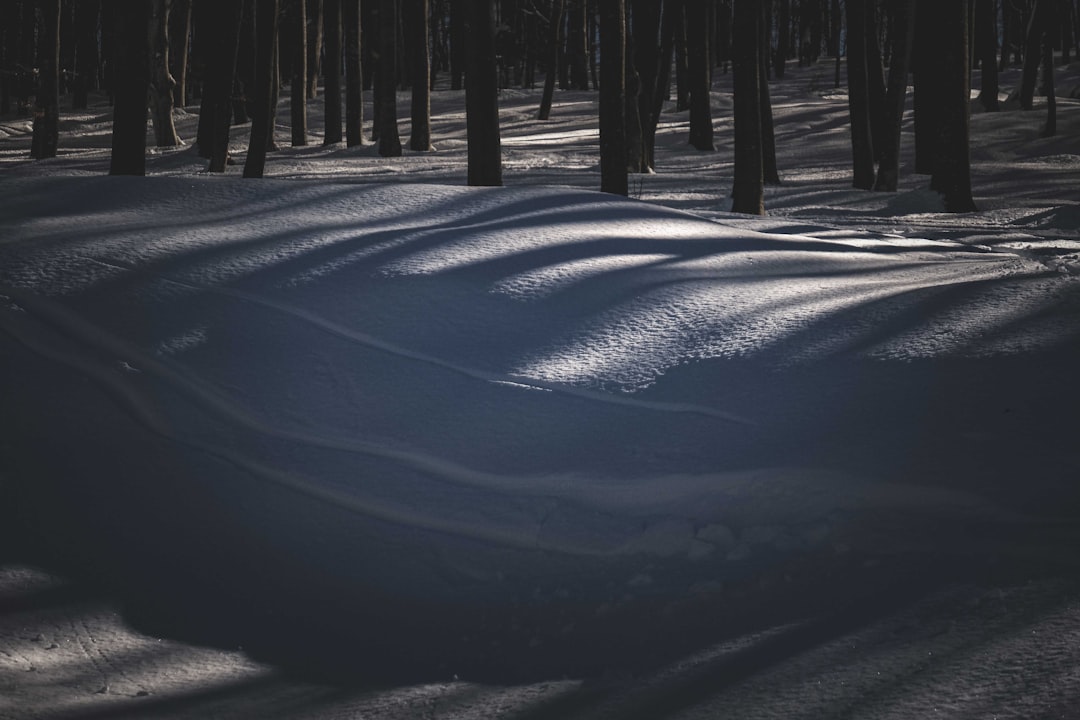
pixel 748 193
pixel 862 147
pixel 769 171
pixel 221 72
pixel 87 57
pixel 275 82
pixel 46 135
pixel 613 175
pixel 783 37
pixel 179 35
pixel 262 114
pixel 161 80
pixel 553 59
pixel 416 24
pixel 132 63
pixel 682 59
pixel 903 18
pixel 387 136
pixel 298 83
pixel 875 82
pixel 634 151
pixel 950 90
pixel 314 46
pixel 458 54
pixel 1039 27
pixel 332 71
pixel 646 22
pixel 578 42
pixel 697 55
pixel 354 74
pixel 482 96
pixel 985 41
pixel 1050 128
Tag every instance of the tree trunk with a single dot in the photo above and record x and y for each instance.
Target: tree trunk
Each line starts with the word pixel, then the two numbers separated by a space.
pixel 578 42
pixel 386 125
pixel 179 34
pixel 332 71
pixel 222 71
pixel 895 95
pixel 553 59
pixel 1039 26
pixel 950 91
pixel 161 80
pixel 862 147
pixel 458 51
pixel 482 96
pixel 46 135
pixel 132 63
pixel 87 58
pixel 354 74
pixel 634 151
pixel 783 37
pixel 298 83
pixel 314 46
pixel 262 115
pixel 1050 128
pixel 770 173
pixel 646 22
pixel 613 175
pixel 749 184
pixel 697 55
pixel 416 24
pixel 985 40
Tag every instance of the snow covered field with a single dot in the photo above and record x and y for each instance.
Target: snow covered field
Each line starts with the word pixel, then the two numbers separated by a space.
pixel 373 426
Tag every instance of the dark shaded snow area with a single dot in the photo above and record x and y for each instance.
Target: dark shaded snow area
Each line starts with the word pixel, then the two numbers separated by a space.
pixel 333 444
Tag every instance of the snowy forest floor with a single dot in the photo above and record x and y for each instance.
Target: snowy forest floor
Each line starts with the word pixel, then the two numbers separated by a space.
pixel 890 613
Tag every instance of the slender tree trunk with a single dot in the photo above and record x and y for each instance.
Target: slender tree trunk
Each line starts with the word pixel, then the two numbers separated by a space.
pixel 783 37
pixel 227 36
pixel 578 42
pixel 332 71
pixel 1039 26
pixel 46 134
pixel 634 150
pixel 416 23
pixel 458 51
pixel 266 21
pixel 770 173
pixel 862 147
pixel 87 57
pixel 697 55
pixel 553 59
pixel 888 174
pixel 298 84
pixel 179 35
pixel 132 64
pixel 354 75
pixel 1050 128
pixel 613 175
pixel 749 186
pixel 388 138
pixel 482 96
pixel 985 41
pixel 275 82
pixel 315 46
pixel 951 90
pixel 161 80
pixel 645 26
pixel 682 56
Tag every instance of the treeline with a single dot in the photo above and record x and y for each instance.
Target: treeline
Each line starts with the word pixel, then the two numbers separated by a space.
pixel 234 57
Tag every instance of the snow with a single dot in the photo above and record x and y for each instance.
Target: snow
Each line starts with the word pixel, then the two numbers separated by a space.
pixel 361 372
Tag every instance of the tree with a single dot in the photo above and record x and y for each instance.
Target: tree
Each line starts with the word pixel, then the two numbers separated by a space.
pixel 613 174
pixel 386 84
pixel 332 71
pixel 645 25
pixel 217 103
pixel 749 186
pixel 555 30
pixel 262 116
pixel 985 41
pixel 889 151
pixel 862 144
pixel 354 75
pixel 46 134
pixel 314 46
pixel 698 75
pixel 132 82
pixel 482 96
pixel 179 32
pixel 161 80
pixel 419 74
pixel 298 84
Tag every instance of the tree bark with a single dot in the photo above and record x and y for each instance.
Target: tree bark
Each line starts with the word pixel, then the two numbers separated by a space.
pixel 179 34
pixel 889 158
pixel 770 173
pixel 354 75
pixel 862 148
pixel 332 71
pixel 161 80
pixel 697 55
pixel 46 135
pixel 416 23
pixel 645 25
pixel 553 59
pixel 482 96
pixel 227 37
pixel 132 63
pixel 389 140
pixel 314 46
pixel 1039 26
pixel 749 186
pixel 613 174
pixel 262 116
pixel 298 83
pixel 985 40
pixel 950 90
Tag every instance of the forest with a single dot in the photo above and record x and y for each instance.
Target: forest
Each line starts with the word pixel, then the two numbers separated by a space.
pixel 235 58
